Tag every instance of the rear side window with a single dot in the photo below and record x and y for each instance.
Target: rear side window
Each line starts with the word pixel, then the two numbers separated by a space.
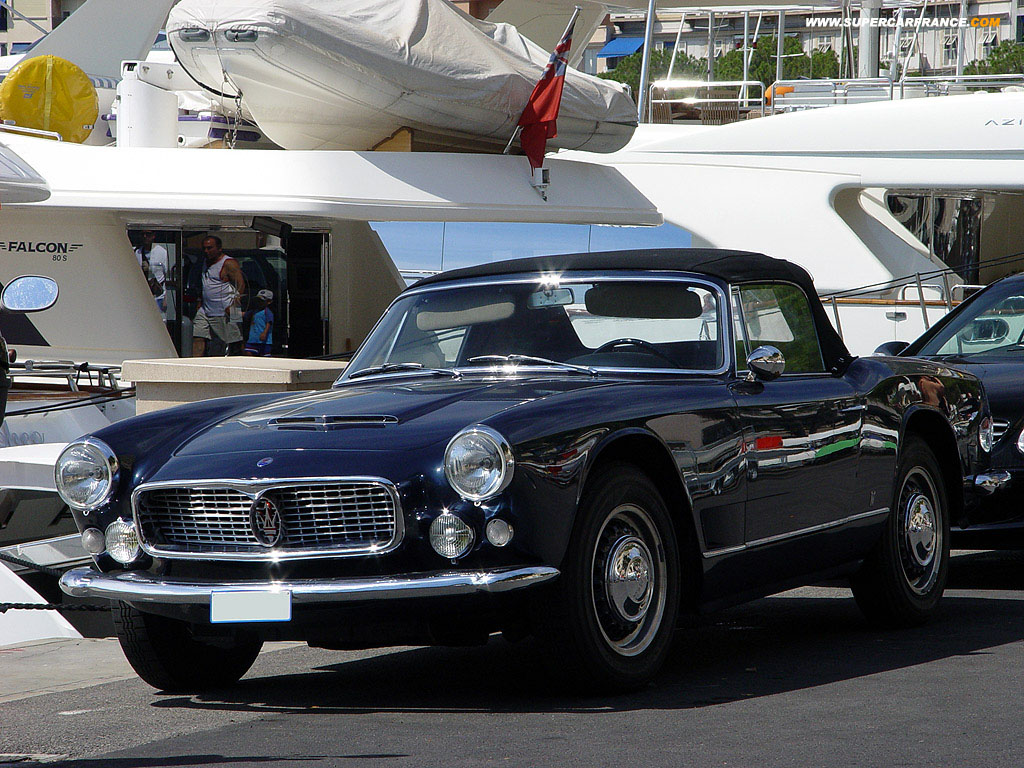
pixel 779 315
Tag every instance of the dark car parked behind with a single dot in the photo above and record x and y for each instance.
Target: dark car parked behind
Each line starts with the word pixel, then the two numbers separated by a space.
pixel 985 336
pixel 577 447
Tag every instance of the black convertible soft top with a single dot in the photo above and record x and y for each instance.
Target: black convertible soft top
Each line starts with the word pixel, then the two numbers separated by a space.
pixel 726 265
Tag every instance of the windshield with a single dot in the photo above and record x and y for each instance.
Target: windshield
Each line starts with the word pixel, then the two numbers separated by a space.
pixel 635 324
pixel 991 325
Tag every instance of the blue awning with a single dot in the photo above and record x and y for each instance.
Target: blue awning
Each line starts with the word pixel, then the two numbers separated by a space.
pixel 620 46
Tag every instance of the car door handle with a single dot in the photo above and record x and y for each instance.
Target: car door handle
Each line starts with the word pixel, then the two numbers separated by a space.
pixel 853 408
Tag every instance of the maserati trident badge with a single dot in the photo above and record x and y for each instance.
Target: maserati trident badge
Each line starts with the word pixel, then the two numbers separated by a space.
pixel 265 519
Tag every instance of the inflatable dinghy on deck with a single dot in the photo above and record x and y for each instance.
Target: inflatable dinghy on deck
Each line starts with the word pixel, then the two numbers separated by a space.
pixel 349 74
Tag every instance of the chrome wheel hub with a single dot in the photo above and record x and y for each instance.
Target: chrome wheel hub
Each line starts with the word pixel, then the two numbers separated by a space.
pixel 921 530
pixel 628 582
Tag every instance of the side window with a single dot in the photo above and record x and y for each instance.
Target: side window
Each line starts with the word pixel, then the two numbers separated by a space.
pixel 778 314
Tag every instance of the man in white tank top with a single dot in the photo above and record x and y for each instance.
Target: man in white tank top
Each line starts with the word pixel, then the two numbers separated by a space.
pixel 221 301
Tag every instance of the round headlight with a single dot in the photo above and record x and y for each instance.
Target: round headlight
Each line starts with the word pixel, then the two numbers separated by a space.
pixel 122 541
pixel 1020 441
pixel 478 463
pixel 85 474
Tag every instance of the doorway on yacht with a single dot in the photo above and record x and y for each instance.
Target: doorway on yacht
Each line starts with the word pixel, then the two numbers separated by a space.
pixel 293 270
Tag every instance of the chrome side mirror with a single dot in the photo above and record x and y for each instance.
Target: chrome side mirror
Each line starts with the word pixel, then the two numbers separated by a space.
pixel 29 293
pixel 765 363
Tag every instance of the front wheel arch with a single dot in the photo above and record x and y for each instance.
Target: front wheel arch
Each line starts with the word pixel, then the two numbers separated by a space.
pixel 933 428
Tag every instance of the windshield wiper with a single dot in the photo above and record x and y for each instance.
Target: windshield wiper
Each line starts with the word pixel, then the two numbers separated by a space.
pixel 390 367
pixel 531 359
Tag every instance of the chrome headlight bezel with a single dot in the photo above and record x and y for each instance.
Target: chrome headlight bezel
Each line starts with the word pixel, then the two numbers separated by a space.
pixel 105 459
pixel 1020 442
pixel 986 434
pixel 498 447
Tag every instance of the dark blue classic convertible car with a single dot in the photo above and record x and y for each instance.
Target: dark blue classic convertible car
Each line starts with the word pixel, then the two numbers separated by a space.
pixel 579 448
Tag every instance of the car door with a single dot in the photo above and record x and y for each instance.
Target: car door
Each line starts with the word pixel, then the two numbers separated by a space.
pixel 801 431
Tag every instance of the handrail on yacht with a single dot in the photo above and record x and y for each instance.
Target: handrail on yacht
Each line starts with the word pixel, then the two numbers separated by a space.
pixel 812 94
pixel 749 96
pixel 70 371
pixel 11 127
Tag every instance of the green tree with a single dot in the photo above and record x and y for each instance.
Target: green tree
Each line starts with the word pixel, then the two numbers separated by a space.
pixel 1007 58
pixel 628 69
pixel 820 64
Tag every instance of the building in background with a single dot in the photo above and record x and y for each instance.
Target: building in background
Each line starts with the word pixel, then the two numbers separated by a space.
pixel 934 52
pixel 22 22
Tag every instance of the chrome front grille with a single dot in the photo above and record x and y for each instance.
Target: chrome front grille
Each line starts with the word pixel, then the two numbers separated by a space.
pixel 213 519
pixel 999 427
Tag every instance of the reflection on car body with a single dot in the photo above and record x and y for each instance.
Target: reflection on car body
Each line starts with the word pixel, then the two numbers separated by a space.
pixel 581 448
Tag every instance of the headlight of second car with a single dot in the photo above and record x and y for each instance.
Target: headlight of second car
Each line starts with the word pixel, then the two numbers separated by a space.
pixel 478 463
pixel 86 473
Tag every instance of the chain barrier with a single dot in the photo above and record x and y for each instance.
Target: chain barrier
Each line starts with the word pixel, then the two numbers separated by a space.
pixel 54 572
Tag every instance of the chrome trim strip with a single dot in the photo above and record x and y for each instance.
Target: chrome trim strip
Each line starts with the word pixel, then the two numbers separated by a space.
pixel 252 488
pixel 793 534
pixel 142 587
pixel 725 337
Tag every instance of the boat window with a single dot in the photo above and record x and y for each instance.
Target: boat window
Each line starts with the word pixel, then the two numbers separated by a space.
pixel 612 324
pixel 779 315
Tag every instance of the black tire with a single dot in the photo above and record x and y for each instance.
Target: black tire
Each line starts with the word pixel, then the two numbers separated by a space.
pixel 165 654
pixel 602 635
pixel 902 580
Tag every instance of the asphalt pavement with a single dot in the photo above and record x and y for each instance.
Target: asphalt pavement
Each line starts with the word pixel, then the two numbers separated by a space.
pixel 793 680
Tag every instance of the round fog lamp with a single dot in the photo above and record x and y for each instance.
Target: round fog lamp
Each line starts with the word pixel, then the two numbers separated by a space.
pixel 499 533
pixel 93 541
pixel 450 536
pixel 122 541
pixel 986 434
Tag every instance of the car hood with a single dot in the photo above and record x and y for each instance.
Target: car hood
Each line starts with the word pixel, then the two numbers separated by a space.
pixel 393 415
pixel 1001 378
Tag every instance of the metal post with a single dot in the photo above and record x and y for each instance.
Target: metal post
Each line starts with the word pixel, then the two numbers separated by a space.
pixel 920 296
pixel 848 40
pixel 711 46
pixel 779 49
pixel 960 41
pixel 645 67
pixel 10 7
pixel 895 61
pixel 835 311
pixel 948 291
pixel 675 48
pixel 867 58
pixel 915 43
pixel 746 57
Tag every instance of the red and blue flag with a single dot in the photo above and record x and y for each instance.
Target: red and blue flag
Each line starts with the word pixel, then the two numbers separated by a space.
pixel 541 112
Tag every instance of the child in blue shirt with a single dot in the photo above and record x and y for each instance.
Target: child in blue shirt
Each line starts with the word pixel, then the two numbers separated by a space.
pixel 261 331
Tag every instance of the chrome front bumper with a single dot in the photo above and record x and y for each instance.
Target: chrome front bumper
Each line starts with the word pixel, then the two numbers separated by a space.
pixel 140 587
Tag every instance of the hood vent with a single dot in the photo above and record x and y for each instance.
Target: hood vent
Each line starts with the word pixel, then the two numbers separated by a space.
pixel 324 423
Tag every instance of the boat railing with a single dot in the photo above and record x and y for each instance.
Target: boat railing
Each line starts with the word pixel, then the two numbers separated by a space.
pixel 712 103
pixel 75 375
pixel 792 95
pixel 10 127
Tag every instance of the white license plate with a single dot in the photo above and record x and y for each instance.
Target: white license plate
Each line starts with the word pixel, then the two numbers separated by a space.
pixel 239 606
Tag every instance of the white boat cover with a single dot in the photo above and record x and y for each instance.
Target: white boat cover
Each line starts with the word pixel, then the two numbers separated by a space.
pixel 330 68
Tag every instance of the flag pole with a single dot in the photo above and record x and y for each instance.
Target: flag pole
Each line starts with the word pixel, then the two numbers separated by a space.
pixel 568 27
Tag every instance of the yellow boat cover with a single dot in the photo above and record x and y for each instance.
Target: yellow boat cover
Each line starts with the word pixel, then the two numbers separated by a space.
pixel 49 93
